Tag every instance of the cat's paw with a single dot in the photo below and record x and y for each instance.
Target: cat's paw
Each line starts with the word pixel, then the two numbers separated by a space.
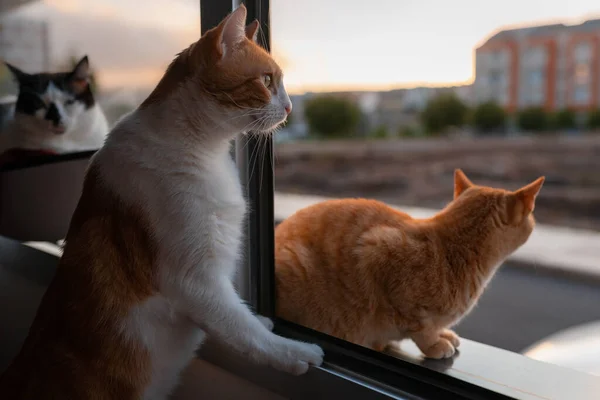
pixel 441 349
pixel 380 346
pixel 266 322
pixel 450 336
pixel 295 357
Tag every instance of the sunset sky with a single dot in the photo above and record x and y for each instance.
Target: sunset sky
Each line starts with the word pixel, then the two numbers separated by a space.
pixel 322 45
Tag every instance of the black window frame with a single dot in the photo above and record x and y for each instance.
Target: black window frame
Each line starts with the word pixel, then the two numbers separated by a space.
pixel 257 178
pixel 349 371
pixel 350 368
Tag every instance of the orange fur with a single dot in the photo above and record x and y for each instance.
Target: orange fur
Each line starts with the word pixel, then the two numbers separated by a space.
pixel 233 82
pixel 364 272
pixel 75 348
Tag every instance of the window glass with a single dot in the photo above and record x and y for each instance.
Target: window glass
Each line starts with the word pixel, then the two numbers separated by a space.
pixel 128 43
pixel 371 85
pixel 582 52
pixel 581 94
pixel 582 73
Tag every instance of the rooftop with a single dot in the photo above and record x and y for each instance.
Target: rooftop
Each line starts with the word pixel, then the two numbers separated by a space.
pixel 542 30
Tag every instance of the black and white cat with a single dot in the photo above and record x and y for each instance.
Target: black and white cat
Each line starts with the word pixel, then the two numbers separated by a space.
pixel 55 112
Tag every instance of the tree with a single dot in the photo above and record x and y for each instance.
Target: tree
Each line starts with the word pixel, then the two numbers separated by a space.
pixel 331 116
pixel 564 120
pixel 533 119
pixel 442 112
pixel 380 132
pixel 408 131
pixel 489 117
pixel 593 120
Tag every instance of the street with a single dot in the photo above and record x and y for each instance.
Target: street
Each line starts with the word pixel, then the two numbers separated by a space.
pixel 522 306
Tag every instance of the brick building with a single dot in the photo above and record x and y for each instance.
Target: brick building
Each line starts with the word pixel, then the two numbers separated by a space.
pixel 552 66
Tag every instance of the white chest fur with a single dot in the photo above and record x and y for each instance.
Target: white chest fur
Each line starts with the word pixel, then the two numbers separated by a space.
pixel 196 209
pixel 187 188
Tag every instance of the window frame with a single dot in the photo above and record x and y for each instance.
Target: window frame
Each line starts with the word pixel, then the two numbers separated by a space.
pixel 256 282
pixel 348 369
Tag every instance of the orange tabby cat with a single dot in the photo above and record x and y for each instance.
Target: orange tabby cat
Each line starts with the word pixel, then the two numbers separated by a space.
pixel 364 272
pixel 153 245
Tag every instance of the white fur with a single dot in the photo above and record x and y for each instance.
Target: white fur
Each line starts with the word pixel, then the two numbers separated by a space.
pixel 85 129
pixel 171 161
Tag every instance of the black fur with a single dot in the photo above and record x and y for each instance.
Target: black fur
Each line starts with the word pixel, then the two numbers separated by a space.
pixel 33 86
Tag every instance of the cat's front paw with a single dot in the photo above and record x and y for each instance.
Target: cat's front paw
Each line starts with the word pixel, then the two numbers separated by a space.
pixel 451 336
pixel 295 357
pixel 266 322
pixel 441 349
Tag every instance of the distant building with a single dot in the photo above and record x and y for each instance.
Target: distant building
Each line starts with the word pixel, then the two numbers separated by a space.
pixel 9 5
pixel 552 66
pixel 25 43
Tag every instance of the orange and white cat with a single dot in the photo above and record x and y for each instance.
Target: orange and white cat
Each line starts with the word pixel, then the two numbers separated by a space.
pixel 364 272
pixel 152 247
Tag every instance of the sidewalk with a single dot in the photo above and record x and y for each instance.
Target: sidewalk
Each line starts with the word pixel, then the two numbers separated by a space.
pixel 556 249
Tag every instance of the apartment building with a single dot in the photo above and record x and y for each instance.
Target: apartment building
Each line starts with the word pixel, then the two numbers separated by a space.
pixel 9 5
pixel 552 66
pixel 24 42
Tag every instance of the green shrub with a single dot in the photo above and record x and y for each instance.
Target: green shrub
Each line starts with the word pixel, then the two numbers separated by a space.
pixel 381 132
pixel 489 117
pixel 564 119
pixel 534 119
pixel 593 119
pixel 442 112
pixel 408 132
pixel 331 116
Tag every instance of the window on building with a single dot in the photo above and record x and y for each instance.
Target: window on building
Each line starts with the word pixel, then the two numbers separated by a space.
pixel 582 73
pixel 581 94
pixel 536 55
pixel 535 87
pixel 536 77
pixel 582 52
pixel 496 78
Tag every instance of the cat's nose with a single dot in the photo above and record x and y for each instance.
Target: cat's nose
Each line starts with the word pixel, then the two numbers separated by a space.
pixel 288 108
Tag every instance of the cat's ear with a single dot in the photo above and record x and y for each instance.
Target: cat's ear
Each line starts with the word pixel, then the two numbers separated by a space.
pixel 82 69
pixel 252 30
pixel 80 75
pixel 461 182
pixel 527 194
pixel 232 30
pixel 17 73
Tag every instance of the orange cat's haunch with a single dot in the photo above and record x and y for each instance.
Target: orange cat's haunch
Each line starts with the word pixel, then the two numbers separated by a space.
pixel 364 272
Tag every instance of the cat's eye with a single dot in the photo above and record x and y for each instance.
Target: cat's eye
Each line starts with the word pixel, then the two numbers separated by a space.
pixel 266 80
pixel 69 102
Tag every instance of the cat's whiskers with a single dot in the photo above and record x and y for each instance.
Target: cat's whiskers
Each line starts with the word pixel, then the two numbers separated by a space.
pixel 257 150
pixel 245 114
pixel 249 134
pixel 272 158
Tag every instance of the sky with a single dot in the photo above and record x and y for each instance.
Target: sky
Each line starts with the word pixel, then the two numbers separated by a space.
pixel 322 45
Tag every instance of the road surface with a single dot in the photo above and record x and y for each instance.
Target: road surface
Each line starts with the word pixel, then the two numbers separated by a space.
pixel 522 306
